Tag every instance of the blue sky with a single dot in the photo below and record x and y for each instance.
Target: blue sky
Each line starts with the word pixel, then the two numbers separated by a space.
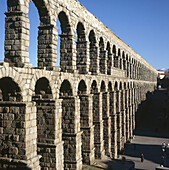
pixel 142 24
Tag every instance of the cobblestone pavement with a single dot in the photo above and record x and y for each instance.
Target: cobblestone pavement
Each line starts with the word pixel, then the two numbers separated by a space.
pixel 150 135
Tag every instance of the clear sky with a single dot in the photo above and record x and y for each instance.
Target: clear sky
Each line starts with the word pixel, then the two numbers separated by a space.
pixel 142 24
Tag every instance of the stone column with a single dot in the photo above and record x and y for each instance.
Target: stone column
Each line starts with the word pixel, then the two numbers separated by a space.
pixel 82 59
pixel 119 121
pixel 133 117
pixel 127 115
pixel 123 111
pixel 102 62
pixel 17 38
pixel 98 129
pixel 130 114
pixel 112 112
pixel 18 131
pixel 67 53
pixel 107 124
pixel 131 71
pixel 71 133
pixel 128 69
pixel 49 140
pixel 134 108
pixel 120 63
pixel 116 62
pixel 86 124
pixel 109 63
pixel 47 42
pixel 94 58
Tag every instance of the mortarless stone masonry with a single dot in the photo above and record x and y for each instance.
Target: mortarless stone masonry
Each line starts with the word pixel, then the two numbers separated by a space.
pixel 61 118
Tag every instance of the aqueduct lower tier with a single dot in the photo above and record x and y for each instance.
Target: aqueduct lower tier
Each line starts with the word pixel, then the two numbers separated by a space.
pixel 68 119
pixel 59 118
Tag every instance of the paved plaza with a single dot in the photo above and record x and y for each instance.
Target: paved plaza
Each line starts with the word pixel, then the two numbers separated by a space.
pixel 150 134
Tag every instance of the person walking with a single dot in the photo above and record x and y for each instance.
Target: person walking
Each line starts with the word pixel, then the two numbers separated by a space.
pixel 142 157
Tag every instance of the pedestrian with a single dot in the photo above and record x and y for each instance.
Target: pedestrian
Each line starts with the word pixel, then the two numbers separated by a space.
pixel 162 161
pixel 142 157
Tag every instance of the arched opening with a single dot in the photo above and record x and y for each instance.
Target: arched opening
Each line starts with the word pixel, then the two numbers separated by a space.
pixel 9 90
pixel 45 108
pixel 119 59
pixel 115 57
pixel 118 116
pixel 97 121
pixel 109 59
pixel 65 90
pixel 43 89
pixel 127 65
pixel 93 53
pixel 116 86
pixel 123 116
pixel 82 88
pixel 26 43
pixel 71 135
pixel 103 86
pixel 107 121
pixel 66 43
pixel 110 87
pixel 102 56
pixel 86 124
pixel 124 61
pixel 120 86
pixel 34 21
pixel 12 123
pixel 81 48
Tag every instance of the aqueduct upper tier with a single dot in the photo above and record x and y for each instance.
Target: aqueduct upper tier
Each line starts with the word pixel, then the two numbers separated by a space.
pixel 61 118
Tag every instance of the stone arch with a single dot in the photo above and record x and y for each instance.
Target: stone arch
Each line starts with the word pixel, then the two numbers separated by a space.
pixel 103 86
pixel 9 90
pixel 82 88
pixel 70 125
pixel 21 57
pixel 67 43
pixel 45 119
pixel 119 58
pixel 14 120
pixel 43 88
pixel 65 89
pixel 102 57
pixel 65 24
pixel 93 53
pixel 110 87
pixel 121 86
pixel 97 117
pixel 94 88
pixel 125 85
pixel 81 49
pixel 47 53
pixel 124 60
pixel 86 121
pixel 109 58
pixel 15 76
pixel 119 52
pixel 106 123
pixel 116 86
pixel 127 65
pixel 115 56
pixel 128 85
pixel 114 50
pixel 38 76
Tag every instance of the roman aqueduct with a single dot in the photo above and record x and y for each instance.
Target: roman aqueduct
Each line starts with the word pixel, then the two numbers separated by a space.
pixel 61 118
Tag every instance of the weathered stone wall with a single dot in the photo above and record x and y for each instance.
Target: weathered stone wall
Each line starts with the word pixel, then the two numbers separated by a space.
pixel 62 117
